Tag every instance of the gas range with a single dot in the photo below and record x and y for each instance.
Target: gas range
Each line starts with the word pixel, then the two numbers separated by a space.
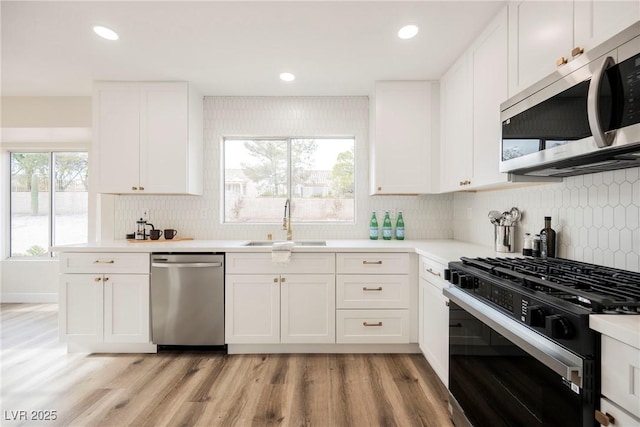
pixel 553 296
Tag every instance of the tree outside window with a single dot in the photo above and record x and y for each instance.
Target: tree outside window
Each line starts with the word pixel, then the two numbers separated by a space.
pixel 317 174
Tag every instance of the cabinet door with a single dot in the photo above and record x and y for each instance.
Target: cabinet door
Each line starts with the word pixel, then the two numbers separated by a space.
pixel 116 137
pixel 401 159
pixel 621 374
pixel 252 309
pixel 488 61
pixel 434 329
pixel 540 32
pixel 81 308
pixel 598 20
pixel 308 308
pixel 164 137
pixel 456 150
pixel 126 308
pixel 621 417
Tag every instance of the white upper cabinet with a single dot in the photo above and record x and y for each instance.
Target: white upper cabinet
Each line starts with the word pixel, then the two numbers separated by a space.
pixel 546 34
pixel 147 138
pixel 401 159
pixel 471 93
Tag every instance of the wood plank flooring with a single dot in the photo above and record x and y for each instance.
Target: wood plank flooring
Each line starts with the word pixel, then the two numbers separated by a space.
pixel 204 389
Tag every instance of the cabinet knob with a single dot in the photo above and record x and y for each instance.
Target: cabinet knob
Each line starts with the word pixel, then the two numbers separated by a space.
pixel 577 51
pixel 97 279
pixel 275 280
pixel 561 61
pixel 141 188
pixel 106 279
pixel 605 419
pixel 134 188
pixel 282 280
pixel 379 188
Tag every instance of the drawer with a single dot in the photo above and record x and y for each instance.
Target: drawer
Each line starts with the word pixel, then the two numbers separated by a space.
pixel 621 417
pixel 372 291
pixel 433 272
pixel 372 326
pixel 621 374
pixel 261 263
pixel 372 263
pixel 104 262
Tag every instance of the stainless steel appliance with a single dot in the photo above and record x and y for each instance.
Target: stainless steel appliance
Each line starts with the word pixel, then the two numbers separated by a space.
pixel 581 119
pixel 187 299
pixel 519 337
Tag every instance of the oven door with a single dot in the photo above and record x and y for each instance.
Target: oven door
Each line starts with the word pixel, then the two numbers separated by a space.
pixel 502 373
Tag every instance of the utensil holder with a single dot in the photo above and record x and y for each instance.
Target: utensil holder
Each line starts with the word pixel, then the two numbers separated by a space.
pixel 504 238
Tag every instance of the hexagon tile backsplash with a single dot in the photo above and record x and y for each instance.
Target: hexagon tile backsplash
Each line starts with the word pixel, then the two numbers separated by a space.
pixel 595 216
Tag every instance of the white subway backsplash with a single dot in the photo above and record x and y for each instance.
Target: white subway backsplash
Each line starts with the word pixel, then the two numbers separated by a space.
pixel 595 216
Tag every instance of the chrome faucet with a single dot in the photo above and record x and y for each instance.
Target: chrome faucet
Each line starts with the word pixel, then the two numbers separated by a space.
pixel 286 221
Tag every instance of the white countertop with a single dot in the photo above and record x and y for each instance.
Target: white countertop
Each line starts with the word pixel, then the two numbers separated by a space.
pixel 624 328
pixel 441 251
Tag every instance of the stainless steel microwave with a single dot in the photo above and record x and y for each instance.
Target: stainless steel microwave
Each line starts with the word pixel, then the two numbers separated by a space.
pixel 581 119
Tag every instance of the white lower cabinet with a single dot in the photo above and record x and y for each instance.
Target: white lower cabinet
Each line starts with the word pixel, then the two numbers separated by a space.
pixel 107 307
pixel 433 318
pixel 284 306
pixel 620 383
pixel 372 298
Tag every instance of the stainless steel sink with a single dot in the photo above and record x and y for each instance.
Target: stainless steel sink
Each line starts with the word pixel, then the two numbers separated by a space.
pixel 295 243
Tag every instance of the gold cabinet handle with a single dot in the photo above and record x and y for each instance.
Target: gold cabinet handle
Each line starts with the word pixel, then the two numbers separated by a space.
pixel 282 280
pixel 97 279
pixel 577 51
pixel 435 273
pixel 561 61
pixel 371 324
pixel 106 279
pixel 102 261
pixel 605 419
pixel 134 188
pixel 465 182
pixel 141 188
pixel 365 262
pixel 379 288
pixel 275 280
pixel 379 188
pixel 446 303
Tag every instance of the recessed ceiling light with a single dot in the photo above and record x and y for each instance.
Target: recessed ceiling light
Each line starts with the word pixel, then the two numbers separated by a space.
pixel 105 33
pixel 287 77
pixel 408 31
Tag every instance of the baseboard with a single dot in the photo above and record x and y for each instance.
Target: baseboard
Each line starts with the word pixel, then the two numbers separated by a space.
pixel 28 298
pixel 321 348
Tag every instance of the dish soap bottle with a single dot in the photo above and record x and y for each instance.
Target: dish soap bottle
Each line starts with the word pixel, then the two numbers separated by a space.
pixel 373 227
pixel 386 227
pixel 400 227
pixel 547 239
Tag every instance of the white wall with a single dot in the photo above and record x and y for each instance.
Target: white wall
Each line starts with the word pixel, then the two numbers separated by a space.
pixel 36 123
pixel 426 217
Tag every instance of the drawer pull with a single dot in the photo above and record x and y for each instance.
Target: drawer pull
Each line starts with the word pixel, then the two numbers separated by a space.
pixel 379 288
pixel 371 324
pixel 435 273
pixel 605 419
pixel 365 262
pixel 100 261
pixel 456 325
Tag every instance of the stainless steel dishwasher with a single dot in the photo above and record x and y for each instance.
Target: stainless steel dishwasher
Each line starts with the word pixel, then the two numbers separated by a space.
pixel 187 299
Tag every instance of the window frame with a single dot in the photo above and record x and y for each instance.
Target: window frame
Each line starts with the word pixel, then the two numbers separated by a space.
pixel 288 140
pixel 50 152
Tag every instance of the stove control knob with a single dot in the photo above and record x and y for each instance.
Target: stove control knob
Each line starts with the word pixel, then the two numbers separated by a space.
pixel 558 327
pixel 536 316
pixel 465 282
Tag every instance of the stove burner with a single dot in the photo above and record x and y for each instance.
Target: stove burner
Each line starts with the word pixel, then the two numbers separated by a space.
pixel 597 288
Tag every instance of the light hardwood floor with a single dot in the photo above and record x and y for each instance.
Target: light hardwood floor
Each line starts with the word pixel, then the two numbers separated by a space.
pixel 205 389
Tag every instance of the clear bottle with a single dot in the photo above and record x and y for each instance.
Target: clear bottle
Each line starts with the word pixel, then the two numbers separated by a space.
pixel 535 246
pixel 400 227
pixel 374 230
pixel 386 227
pixel 547 239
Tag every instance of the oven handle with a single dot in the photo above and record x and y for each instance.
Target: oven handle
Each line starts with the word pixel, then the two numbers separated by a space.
pixel 555 357
pixel 601 138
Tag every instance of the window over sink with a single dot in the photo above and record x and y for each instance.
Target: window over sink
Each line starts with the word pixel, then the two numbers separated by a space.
pixel 316 174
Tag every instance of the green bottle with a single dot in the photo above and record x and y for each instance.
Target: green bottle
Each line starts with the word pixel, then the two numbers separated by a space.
pixel 400 227
pixel 373 227
pixel 386 227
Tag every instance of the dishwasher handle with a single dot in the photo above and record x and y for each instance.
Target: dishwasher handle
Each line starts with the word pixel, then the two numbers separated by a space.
pixel 186 264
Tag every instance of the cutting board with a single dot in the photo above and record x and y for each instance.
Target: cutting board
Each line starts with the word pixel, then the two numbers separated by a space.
pixel 175 239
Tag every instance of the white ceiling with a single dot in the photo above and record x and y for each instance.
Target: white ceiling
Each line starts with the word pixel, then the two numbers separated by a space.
pixel 233 48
